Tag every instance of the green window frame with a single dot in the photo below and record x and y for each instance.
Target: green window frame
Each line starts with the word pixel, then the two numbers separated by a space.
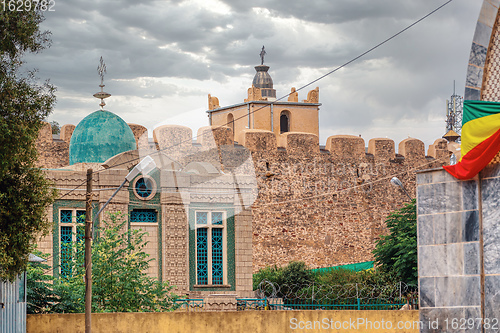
pixel 211 248
pixel 69 232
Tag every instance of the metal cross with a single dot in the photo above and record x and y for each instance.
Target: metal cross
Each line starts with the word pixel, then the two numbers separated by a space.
pixel 101 69
pixel 262 54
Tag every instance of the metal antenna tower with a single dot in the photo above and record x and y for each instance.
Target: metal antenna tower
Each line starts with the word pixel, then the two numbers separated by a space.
pixel 454 108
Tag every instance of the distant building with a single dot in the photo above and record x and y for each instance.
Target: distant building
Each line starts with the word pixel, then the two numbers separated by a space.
pixel 195 210
pixel 261 111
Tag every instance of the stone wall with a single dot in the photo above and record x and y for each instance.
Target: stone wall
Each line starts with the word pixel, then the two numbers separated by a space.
pixel 51 153
pixel 323 206
pixel 328 207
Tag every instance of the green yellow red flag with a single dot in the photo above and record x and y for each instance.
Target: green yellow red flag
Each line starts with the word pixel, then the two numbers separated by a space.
pixel 480 138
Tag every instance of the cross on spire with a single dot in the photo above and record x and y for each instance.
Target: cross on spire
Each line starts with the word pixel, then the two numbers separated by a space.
pixel 101 69
pixel 262 54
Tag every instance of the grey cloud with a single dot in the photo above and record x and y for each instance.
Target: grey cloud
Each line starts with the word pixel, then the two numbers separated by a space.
pixel 423 61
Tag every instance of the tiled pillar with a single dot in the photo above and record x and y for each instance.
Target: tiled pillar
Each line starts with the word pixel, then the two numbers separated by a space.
pixel 448 251
pixel 490 191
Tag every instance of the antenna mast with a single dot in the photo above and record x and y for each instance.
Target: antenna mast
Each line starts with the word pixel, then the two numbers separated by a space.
pixel 454 112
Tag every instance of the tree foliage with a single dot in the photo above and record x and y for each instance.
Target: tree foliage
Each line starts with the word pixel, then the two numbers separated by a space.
pixel 397 251
pixel 120 282
pixel 24 103
pixel 56 128
pixel 295 273
pixel 40 295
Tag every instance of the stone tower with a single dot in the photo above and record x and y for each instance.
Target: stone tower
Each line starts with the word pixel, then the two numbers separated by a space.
pixel 261 110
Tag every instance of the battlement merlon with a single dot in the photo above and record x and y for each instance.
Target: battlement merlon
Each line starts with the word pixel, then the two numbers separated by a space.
pixel 263 103
pixel 176 138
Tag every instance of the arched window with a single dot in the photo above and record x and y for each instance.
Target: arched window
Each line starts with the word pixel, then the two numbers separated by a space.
pixel 285 122
pixel 230 122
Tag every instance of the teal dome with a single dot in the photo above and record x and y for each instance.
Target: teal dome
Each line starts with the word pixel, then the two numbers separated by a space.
pixel 98 137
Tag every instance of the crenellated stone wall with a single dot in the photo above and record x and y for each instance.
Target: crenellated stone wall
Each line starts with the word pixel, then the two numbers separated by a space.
pixel 52 153
pixel 323 205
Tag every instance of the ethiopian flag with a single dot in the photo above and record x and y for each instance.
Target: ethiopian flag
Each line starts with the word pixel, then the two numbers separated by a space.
pixel 480 138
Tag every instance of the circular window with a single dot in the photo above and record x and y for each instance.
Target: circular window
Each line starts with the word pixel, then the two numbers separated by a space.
pixel 144 188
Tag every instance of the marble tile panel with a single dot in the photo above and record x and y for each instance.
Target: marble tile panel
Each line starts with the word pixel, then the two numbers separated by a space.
pixel 471 258
pixel 435 320
pixel 432 261
pixel 458 291
pixel 425 229
pixel 455 259
pixel 474 76
pixel 482 35
pixel 470 227
pixel 491 171
pixel 447 228
pixel 440 229
pixel 495 3
pixel 472 94
pixel 454 228
pixel 441 260
pixel 492 299
pixel 471 313
pixel 427 292
pixel 488 14
pixel 492 256
pixel 424 178
pixel 440 176
pixel 491 225
pixel 469 195
pixel 477 55
pixel 439 198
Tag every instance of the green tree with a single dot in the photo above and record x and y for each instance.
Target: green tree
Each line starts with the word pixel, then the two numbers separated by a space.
pixel 40 288
pixel 396 252
pixel 45 294
pixel 24 103
pixel 56 128
pixel 119 281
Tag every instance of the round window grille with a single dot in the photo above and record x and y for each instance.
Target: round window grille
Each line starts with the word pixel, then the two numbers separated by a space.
pixel 144 188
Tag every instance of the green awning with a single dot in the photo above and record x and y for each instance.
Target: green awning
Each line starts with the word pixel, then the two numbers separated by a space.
pixel 360 266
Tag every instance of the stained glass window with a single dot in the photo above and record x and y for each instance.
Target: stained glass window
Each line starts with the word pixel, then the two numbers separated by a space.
pixel 144 187
pixel 201 217
pixel 66 251
pixel 143 215
pixel 72 228
pixel 80 216
pixel 217 262
pixel 210 247
pixel 202 256
pixel 66 216
pixel 217 218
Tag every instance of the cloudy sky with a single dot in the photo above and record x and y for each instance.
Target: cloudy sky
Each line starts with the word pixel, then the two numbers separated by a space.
pixel 164 57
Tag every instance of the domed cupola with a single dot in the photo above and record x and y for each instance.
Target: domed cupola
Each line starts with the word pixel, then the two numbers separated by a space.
pixel 101 135
pixel 263 80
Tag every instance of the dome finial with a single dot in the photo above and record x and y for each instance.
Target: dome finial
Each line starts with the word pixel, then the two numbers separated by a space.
pixel 262 54
pixel 101 69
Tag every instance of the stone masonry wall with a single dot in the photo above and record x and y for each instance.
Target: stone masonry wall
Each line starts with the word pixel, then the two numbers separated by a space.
pixel 329 208
pixel 322 206
pixel 51 153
